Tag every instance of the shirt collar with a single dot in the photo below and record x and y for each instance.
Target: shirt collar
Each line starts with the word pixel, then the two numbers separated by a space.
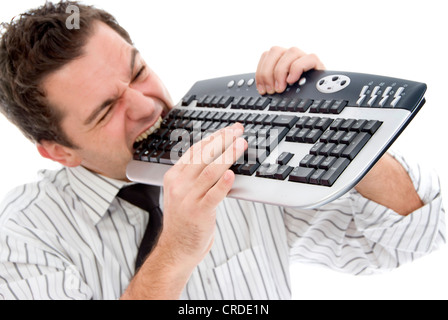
pixel 95 191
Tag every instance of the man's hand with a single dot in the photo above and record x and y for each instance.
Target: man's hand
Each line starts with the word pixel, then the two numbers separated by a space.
pixel 387 183
pixel 193 188
pixel 279 67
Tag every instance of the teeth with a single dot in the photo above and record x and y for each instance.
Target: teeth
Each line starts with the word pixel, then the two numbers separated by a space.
pixel 150 131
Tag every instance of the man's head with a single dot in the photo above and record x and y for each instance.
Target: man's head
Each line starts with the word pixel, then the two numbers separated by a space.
pixel 82 95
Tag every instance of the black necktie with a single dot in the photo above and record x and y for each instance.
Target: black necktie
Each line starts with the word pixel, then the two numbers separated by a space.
pixel 145 197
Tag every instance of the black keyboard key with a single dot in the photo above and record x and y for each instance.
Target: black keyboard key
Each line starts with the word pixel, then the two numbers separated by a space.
pixel 155 156
pixel 327 136
pixel 252 103
pixel 337 151
pixel 326 150
pixel 357 144
pixel 327 163
pixel 225 102
pixel 208 101
pixel 269 119
pixel 316 149
pixel 349 137
pixel 261 172
pixel 313 136
pixel 359 125
pixel 306 161
pixel 243 103
pixel 236 103
pixel 315 163
pixel 315 107
pixel 292 106
pixel 283 172
pixel 283 104
pixel 236 167
pixel 262 103
pixel 347 125
pixel 291 134
pixel 285 121
pixel 301 174
pixel 323 124
pixel 215 101
pixel 337 137
pixel 372 126
pixel 249 169
pixel 302 122
pixel 312 122
pixel 145 155
pixel 317 176
pixel 165 158
pixel 284 158
pixel 338 106
pixel 260 118
pixel 301 135
pixel 333 173
pixel 274 104
pixel 304 105
pixel 271 171
pixel 325 107
pixel 337 124
pixel 187 100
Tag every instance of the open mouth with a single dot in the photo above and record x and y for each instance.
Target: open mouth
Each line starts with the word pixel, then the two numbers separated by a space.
pixel 149 131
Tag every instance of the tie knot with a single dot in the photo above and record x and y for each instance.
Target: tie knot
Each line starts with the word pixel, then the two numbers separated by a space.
pixel 143 196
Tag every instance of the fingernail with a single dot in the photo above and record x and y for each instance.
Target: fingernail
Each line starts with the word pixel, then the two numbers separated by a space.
pixel 261 89
pixel 269 89
pixel 277 86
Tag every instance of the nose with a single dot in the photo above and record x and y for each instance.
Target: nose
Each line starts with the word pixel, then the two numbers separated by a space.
pixel 138 106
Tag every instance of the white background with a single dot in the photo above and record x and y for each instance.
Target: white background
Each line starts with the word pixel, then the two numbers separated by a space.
pixel 186 41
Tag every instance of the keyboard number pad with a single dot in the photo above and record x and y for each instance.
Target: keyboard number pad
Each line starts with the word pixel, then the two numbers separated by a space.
pixel 333 152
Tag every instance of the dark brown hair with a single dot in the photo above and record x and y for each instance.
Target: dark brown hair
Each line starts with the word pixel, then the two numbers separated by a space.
pixel 32 46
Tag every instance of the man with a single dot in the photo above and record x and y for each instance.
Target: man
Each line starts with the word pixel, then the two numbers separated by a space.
pixel 84 96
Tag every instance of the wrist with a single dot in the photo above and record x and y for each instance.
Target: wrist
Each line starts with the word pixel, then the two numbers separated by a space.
pixel 159 277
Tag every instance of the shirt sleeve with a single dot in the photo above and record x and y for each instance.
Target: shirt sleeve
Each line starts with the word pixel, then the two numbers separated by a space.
pixel 34 268
pixel 356 235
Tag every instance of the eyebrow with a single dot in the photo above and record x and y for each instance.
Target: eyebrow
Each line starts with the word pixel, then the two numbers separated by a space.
pixel 106 103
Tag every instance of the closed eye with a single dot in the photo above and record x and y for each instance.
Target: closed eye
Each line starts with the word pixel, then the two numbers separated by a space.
pixel 140 72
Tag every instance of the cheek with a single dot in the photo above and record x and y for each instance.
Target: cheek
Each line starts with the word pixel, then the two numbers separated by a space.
pixel 154 87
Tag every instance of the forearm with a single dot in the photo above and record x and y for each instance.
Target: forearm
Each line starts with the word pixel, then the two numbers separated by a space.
pixel 388 184
pixel 159 278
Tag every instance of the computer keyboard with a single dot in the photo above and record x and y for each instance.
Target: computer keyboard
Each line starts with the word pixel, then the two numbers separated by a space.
pixel 307 146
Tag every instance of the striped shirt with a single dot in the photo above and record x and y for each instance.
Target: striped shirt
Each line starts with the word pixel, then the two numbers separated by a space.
pixel 67 236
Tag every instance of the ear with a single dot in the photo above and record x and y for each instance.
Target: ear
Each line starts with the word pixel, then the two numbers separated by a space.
pixel 66 156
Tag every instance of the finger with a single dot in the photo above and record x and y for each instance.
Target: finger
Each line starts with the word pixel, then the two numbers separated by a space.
pixel 214 171
pixel 205 151
pixel 219 191
pixel 304 64
pixel 260 86
pixel 283 67
pixel 265 73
